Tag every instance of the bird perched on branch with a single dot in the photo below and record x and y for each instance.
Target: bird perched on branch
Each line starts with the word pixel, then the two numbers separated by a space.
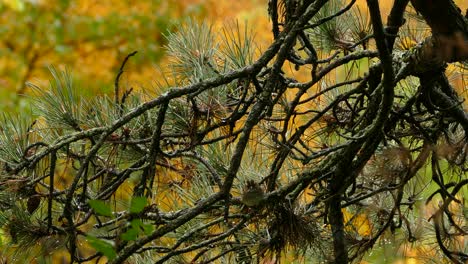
pixel 253 194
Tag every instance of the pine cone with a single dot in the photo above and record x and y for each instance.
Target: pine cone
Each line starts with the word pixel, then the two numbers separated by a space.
pixel 33 203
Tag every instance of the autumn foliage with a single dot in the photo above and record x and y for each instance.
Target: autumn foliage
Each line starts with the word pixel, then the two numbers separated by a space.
pixel 304 131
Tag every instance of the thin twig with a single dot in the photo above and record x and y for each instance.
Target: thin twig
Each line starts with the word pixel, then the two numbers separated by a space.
pixel 117 79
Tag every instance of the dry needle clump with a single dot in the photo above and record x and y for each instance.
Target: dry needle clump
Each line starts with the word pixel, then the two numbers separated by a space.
pixel 288 229
pixel 388 166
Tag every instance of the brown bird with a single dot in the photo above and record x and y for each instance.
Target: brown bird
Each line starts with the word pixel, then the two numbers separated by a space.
pixel 253 194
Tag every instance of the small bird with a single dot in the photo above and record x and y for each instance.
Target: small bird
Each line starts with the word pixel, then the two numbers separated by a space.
pixel 253 194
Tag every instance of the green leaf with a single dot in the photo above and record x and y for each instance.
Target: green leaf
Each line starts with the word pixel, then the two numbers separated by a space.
pixel 136 223
pixel 147 228
pixel 137 204
pixel 100 207
pixel 102 246
pixel 130 235
pixel 136 228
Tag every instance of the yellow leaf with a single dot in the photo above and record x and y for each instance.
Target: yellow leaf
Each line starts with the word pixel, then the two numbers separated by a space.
pixel 17 5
